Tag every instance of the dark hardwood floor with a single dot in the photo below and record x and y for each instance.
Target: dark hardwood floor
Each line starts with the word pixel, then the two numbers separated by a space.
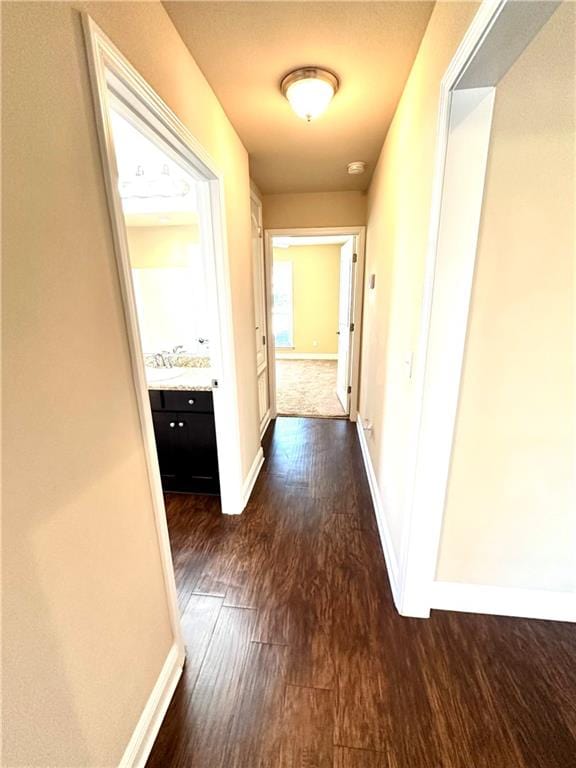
pixel 298 659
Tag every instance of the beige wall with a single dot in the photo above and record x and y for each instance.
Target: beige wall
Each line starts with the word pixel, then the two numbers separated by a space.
pixel 316 281
pixel 510 516
pixel 154 247
pixel 314 209
pixel 170 287
pixel 398 217
pixel 85 621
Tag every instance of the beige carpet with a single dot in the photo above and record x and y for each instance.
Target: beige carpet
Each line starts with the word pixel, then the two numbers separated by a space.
pixel 307 388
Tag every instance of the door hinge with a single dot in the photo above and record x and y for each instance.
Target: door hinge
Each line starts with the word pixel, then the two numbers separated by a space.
pixel 349 390
pixel 354 258
pixel 351 327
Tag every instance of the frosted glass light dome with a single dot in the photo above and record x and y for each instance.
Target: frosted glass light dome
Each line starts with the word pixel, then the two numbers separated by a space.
pixel 309 91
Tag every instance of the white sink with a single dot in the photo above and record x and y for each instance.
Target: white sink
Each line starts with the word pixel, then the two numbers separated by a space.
pixel 162 374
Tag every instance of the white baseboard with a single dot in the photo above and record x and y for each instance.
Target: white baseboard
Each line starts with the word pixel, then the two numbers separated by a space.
pixel 504 601
pixel 252 476
pixel 306 356
pixel 381 519
pixel 142 740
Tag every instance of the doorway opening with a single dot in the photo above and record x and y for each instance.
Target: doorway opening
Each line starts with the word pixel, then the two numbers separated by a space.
pixel 165 197
pixel 315 296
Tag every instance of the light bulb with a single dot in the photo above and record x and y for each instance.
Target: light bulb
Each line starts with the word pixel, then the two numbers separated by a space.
pixel 309 91
pixel 310 97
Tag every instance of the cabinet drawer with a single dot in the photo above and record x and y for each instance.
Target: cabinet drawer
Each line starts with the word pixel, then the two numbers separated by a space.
pixel 178 400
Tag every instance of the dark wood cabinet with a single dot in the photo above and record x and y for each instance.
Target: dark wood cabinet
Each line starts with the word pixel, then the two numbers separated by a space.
pixel 185 440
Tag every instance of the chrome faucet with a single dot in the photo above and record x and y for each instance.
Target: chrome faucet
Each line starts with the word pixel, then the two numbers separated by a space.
pixel 162 359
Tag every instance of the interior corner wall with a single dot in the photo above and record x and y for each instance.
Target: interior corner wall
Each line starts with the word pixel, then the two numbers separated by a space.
pixel 314 209
pixel 510 516
pixel 398 214
pixel 315 289
pixel 86 626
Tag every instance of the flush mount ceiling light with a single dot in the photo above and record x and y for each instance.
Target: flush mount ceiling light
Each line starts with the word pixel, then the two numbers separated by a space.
pixel 309 90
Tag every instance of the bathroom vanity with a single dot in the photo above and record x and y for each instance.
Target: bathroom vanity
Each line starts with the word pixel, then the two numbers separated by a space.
pixel 183 416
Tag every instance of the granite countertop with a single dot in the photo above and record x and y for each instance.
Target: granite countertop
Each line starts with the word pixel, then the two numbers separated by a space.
pixel 188 379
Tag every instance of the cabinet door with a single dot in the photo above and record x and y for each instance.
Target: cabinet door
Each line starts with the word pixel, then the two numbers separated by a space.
pixel 168 437
pixel 197 444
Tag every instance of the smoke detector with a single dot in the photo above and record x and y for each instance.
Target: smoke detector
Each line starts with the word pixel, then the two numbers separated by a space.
pixel 354 169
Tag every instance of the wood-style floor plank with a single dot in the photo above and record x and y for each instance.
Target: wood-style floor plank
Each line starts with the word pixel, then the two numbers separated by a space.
pixel 345 757
pixel 255 736
pixel 297 657
pixel 307 729
pixel 198 622
pixel 212 704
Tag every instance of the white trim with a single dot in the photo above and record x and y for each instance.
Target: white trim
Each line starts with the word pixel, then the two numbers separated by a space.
pixel 265 365
pixel 306 356
pixel 270 348
pixel 103 56
pixel 265 422
pixel 357 315
pixel 438 359
pixel 99 51
pixel 360 234
pixel 252 475
pixel 144 734
pixel 504 601
pixel 468 142
pixel 381 518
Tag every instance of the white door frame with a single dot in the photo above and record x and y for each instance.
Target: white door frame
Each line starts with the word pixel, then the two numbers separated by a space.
pixel 498 34
pixel 344 366
pixel 104 57
pixel 356 310
pixel 255 197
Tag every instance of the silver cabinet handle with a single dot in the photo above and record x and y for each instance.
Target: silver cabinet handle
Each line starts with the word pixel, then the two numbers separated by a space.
pixel 180 423
pixel 191 401
pixel 172 424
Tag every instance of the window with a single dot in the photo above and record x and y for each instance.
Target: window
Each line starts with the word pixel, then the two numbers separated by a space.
pixel 282 314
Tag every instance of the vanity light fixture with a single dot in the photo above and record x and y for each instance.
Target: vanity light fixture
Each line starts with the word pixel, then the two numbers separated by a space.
pixel 309 90
pixel 156 184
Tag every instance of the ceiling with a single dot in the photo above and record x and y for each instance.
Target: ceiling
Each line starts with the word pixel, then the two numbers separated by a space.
pixel 244 49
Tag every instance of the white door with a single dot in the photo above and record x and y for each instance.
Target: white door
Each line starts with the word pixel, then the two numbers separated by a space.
pixel 260 329
pixel 345 321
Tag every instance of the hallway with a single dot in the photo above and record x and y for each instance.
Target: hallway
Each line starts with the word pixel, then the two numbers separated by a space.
pixel 296 656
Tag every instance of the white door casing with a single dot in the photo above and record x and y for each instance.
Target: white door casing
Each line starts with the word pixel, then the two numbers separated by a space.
pixel 344 322
pixel 260 314
pixel 358 233
pixel 499 32
pixel 107 64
